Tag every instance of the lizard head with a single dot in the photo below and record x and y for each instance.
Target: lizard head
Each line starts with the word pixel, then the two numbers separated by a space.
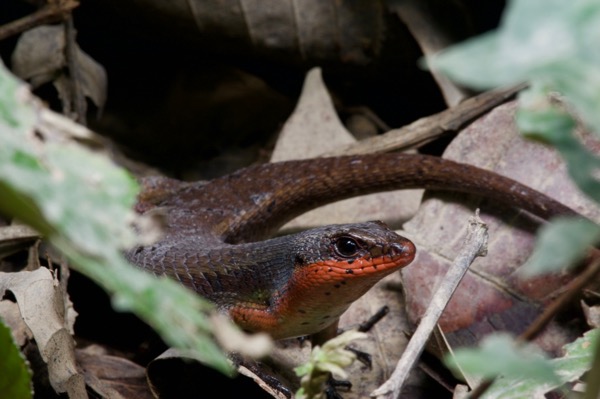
pixel 334 266
pixel 352 255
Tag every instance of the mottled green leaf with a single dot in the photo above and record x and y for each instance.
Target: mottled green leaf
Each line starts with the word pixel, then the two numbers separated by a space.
pixel 561 244
pixel 549 42
pixel 578 356
pixel 568 368
pixel 500 355
pixel 83 203
pixel 554 126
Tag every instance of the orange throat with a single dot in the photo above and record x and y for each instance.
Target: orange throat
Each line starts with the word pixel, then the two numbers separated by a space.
pixel 316 296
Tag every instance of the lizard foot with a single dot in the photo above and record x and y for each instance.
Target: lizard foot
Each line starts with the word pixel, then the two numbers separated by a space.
pixel 363 357
pixel 331 390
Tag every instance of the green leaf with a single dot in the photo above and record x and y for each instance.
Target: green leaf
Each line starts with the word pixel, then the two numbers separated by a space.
pixel 332 358
pixel 568 368
pixel 15 376
pixel 561 244
pixel 548 42
pixel 578 356
pixel 83 203
pixel 547 123
pixel 509 360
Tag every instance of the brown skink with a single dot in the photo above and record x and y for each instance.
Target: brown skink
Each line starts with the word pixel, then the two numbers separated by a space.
pixel 300 284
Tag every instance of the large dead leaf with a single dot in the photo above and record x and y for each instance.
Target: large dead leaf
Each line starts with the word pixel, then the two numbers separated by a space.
pixel 111 376
pixel 346 31
pixel 491 297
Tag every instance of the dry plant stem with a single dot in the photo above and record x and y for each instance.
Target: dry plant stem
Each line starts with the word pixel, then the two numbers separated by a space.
pixel 431 127
pixel 47 14
pixel 475 245
pixel 367 325
pixel 572 291
pixel 74 72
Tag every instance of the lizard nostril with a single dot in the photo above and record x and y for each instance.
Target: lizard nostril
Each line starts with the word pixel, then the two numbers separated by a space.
pixel 405 248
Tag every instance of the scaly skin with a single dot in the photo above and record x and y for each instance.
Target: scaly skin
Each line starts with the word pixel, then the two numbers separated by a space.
pixel 283 285
pixel 254 283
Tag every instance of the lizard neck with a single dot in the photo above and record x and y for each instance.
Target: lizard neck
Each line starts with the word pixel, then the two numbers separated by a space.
pixel 317 284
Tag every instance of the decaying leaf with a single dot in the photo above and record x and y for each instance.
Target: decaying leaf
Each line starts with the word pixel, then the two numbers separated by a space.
pixel 41 304
pixel 592 314
pixel 15 238
pixel 314 127
pixel 11 316
pixel 111 376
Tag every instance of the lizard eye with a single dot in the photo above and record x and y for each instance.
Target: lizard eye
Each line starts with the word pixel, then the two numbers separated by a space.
pixel 346 247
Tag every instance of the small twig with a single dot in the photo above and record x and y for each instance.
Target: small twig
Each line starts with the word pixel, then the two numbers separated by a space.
pixel 475 245
pixel 374 319
pixel 429 128
pixel 52 12
pixel 572 291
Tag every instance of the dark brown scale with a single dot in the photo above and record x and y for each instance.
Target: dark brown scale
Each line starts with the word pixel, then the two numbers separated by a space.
pixel 213 229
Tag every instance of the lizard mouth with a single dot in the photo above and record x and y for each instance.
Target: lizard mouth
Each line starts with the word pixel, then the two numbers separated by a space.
pixel 381 260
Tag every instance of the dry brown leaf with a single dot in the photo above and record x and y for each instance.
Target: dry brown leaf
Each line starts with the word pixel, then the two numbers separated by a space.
pixel 112 377
pixel 592 314
pixel 491 296
pixel 314 127
pixel 42 307
pixel 11 316
pixel 350 32
pixel 16 238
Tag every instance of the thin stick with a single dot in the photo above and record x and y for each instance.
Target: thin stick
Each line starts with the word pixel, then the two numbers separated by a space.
pixel 431 127
pixel 47 14
pixel 475 245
